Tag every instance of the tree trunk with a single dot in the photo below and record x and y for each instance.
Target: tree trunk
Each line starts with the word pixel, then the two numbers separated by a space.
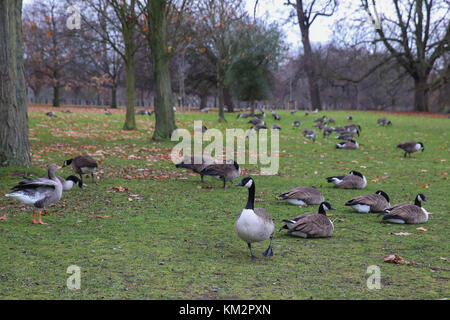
pixel 14 144
pixel 220 89
pixel 310 64
pixel 164 114
pixel 113 97
pixel 56 94
pixel 130 119
pixel 228 101
pixel 203 100
pixel 421 94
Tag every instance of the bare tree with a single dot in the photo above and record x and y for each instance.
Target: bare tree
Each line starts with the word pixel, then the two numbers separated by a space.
pixel 307 12
pixel 417 36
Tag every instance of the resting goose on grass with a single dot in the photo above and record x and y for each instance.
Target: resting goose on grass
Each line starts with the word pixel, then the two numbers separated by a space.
pixel 353 180
pixel 311 224
pixel 254 224
pixel 408 213
pixel 348 145
pixel 302 196
pixel 39 192
pixel 310 134
pixel 376 202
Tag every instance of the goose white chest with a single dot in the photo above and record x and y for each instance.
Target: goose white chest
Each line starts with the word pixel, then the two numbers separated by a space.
pixel 250 227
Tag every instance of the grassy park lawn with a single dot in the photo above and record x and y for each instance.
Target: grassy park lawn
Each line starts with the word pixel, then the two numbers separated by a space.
pixel 150 231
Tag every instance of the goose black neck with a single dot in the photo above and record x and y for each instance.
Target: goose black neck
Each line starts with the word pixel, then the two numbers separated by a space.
pixel 417 202
pixel 322 210
pixel 251 197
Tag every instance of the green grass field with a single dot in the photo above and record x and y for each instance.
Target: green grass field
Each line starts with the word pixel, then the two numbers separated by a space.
pixel 165 237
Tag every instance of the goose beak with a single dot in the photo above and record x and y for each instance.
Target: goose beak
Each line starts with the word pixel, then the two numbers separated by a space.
pixel 238 184
pixel 332 208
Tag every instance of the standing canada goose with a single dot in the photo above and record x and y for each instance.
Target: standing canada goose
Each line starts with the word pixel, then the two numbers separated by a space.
pixel 408 213
pixel 276 127
pixel 261 115
pixel 353 128
pixel 353 180
pixel 348 145
pixel 224 171
pixel 302 196
pixel 327 131
pixel 82 165
pixel 376 202
pixel 275 115
pixel 107 112
pixel 384 122
pixel 349 118
pixel 254 224
pixel 39 192
pixel 296 123
pixel 410 147
pixel 51 114
pixel 311 224
pixel 292 111
pixel 311 134
pixel 196 164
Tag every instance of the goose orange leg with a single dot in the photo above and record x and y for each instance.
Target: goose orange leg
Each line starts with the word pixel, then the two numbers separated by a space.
pixel 40 219
pixel 34 220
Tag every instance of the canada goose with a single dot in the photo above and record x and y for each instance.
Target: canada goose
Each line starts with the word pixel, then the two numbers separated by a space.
pixel 196 164
pixel 276 127
pixel 340 130
pixel 408 213
pixel 410 147
pixel 293 111
pixel 345 136
pixel 320 125
pixel 321 119
pixel 254 224
pixel 275 115
pixel 261 115
pixel 296 123
pixel 205 110
pixel 384 121
pixel 331 120
pixel 141 112
pixel 306 113
pixel 349 118
pixel 256 121
pixel 69 182
pixel 348 145
pixel 67 111
pixel 315 111
pixel 311 134
pixel 151 112
pixel 244 115
pixel 259 126
pixel 327 131
pixel 353 180
pixel 353 128
pixel 224 171
pixel 107 112
pixel 311 224
pixel 202 129
pixel 39 192
pixel 376 202
pixel 82 165
pixel 302 196
pixel 51 114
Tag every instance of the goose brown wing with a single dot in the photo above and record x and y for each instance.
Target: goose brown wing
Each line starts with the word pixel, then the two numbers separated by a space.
pixel 313 225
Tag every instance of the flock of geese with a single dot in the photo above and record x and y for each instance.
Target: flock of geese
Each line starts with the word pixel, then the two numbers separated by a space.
pixel 253 224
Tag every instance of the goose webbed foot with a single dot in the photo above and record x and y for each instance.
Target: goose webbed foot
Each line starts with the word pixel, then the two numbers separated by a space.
pixel 269 251
pixel 39 220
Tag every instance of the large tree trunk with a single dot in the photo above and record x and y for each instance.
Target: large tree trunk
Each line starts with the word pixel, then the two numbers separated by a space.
pixel 310 63
pixel 130 119
pixel 165 118
pixel 14 144
pixel 228 101
pixel 421 94
pixel 113 97
pixel 220 89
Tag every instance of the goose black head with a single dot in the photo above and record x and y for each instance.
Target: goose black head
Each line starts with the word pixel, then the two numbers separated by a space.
pixel 384 194
pixel 351 140
pixel 356 173
pixel 67 163
pixel 421 146
pixel 75 180
pixel 324 206
pixel 246 182
pixel 236 165
pixel 421 197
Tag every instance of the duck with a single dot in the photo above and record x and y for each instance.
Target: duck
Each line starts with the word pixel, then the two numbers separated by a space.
pixel 82 165
pixel 254 224
pixel 411 147
pixel 311 224
pixel 302 196
pixel 196 164
pixel 353 180
pixel 408 213
pixel 39 192
pixel 225 171
pixel 375 202
pixel 348 145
